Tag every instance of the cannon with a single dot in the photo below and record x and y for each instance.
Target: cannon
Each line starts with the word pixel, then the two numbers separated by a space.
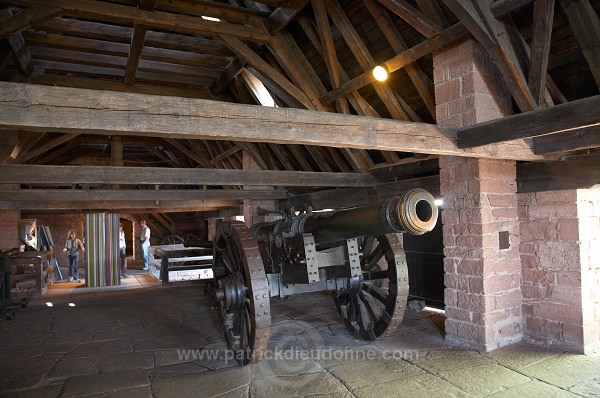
pixel 353 252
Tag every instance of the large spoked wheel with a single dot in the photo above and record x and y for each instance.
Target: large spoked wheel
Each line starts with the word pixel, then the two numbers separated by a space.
pixel 241 292
pixel 171 240
pixel 376 306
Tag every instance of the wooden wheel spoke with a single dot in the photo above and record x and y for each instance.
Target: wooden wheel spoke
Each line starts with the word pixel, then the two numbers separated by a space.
pixel 374 309
pixel 375 275
pixel 373 258
pixel 376 291
pixel 367 244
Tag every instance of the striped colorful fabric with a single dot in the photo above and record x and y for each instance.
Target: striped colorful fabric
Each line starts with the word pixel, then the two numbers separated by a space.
pixel 101 232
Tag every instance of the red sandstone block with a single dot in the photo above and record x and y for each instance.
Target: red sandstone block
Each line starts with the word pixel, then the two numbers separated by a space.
pixel 539 230
pixel 471 267
pixel 523 212
pixel 509 299
pixel 457 282
pixel 469 241
pixel 501 283
pixel 502 200
pixel 573 333
pixel 451 325
pixel 456 252
pixel 539 276
pixel 556 197
pixel 553 211
pixel 450 265
pixel 456 188
pixel 447 91
pixel 470 216
pixel 534 292
pixel 469 117
pixel 451 297
pixel 528 247
pixel 557 312
pixel 568 278
pixel 498 169
pixel 505 213
pixel 526 199
pixel 529 261
pixel 564 294
pixel 457 68
pixel 459 314
pixel 498 186
pixel 483 115
pixel 449 161
pixel 450 217
pixel 568 229
pixel 476 284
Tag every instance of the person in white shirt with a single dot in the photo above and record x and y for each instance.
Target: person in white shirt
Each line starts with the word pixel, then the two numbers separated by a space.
pixel 122 252
pixel 145 239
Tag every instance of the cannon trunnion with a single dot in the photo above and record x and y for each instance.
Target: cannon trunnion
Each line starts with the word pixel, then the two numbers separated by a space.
pixel 355 253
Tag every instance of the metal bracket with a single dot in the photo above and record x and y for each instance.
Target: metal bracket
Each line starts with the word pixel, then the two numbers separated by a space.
pixel 354 282
pixel 310 251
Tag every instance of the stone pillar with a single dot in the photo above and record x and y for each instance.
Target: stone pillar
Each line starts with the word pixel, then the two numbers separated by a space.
pixel 560 253
pixel 479 216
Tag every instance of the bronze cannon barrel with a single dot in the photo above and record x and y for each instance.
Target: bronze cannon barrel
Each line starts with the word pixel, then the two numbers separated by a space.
pixel 413 212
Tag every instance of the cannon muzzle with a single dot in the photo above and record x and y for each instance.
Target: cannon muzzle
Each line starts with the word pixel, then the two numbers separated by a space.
pixel 413 212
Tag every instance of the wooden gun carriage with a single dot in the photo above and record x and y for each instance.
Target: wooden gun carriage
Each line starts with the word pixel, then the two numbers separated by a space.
pixel 354 252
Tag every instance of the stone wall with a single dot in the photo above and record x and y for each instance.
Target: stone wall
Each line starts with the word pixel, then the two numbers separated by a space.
pixel 560 254
pixel 9 229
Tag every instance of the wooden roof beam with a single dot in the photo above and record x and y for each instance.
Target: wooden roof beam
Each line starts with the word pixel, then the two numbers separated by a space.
pixel 116 13
pixel 27 18
pixel 137 43
pixel 570 116
pixel 19 49
pixel 413 17
pixel 446 37
pixel 572 140
pixel 34 174
pixel 283 15
pixel 585 24
pixel 543 15
pixel 44 108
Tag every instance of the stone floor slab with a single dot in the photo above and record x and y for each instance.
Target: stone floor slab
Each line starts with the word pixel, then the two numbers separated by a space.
pixel 357 374
pixel 297 386
pixel 565 370
pixel 426 385
pixel 521 355
pixel 588 388
pixel 484 380
pixel 207 384
pixel 440 360
pixel 534 388
pixel 79 386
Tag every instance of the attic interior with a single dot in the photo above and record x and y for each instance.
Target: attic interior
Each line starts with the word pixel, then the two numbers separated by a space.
pixel 182 112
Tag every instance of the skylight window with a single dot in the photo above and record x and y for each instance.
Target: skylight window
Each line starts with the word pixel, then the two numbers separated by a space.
pixel 258 89
pixel 213 19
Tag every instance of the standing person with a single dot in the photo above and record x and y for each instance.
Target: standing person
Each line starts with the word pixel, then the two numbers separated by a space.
pixel 122 252
pixel 72 248
pixel 145 239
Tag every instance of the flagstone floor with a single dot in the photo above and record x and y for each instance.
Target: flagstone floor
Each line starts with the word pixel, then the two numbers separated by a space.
pixel 160 341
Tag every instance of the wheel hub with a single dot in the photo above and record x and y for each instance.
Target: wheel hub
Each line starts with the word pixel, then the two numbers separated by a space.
pixel 231 291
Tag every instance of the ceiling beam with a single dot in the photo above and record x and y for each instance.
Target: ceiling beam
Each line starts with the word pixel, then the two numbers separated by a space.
pixel 26 19
pixel 585 24
pixel 34 174
pixel 19 49
pixel 502 8
pixel 137 43
pixel 116 13
pixel 70 110
pixel 446 37
pixel 543 15
pixel 142 206
pixel 572 115
pixel 572 140
pixel 283 15
pixel 413 17
pixel 108 195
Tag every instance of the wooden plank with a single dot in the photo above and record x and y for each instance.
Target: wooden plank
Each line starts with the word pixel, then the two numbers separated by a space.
pixel 502 8
pixel 406 168
pixel 188 152
pixel 364 58
pixel 135 51
pixel 39 150
pixel 23 137
pixel 420 80
pixel 224 79
pixel 446 37
pixel 572 115
pixel 224 12
pixel 283 15
pixel 296 66
pixel 119 206
pixel 225 154
pixel 468 15
pixel 122 34
pixel 543 15
pixel 261 65
pixel 583 138
pixel 506 59
pixel 413 17
pixel 27 19
pixel 33 174
pixel 102 195
pixel 577 172
pixel 116 13
pixel 432 9
pixel 43 108
pixel 585 24
pixel 18 47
